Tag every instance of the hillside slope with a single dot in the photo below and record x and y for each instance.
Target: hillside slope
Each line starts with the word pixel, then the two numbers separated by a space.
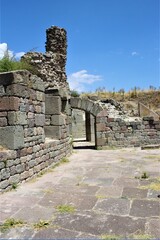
pixel 129 100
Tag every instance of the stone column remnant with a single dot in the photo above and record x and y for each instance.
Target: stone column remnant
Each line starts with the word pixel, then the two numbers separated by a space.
pixel 51 65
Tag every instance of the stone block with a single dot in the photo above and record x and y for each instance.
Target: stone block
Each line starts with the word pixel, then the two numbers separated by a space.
pixel 14 179
pixel 9 103
pixel 20 168
pixel 40 96
pixel 37 83
pixel 10 163
pixel 53 104
pixel 18 90
pixel 39 119
pixel 5 173
pixel 103 113
pixel 101 142
pixel 3 121
pixel 58 120
pixel 2 91
pixel 2 165
pixel 4 184
pixel 32 163
pixel 17 118
pixel 100 127
pixel 12 137
pixel 24 175
pixel 53 132
pixel 76 102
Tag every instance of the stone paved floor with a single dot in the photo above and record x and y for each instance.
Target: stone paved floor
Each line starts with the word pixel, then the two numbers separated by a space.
pixel 97 195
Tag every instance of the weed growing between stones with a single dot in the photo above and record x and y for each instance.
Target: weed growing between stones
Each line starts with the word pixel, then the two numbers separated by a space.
pixel 14 186
pixel 144 175
pixel 141 236
pixel 62 161
pixel 11 223
pixel 110 237
pixel 153 186
pixel 66 209
pixel 48 191
pixel 42 224
pixel 101 196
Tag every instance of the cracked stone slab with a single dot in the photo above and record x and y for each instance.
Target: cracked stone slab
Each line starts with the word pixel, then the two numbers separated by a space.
pixel 99 224
pixel 98 181
pixel 55 233
pixel 110 191
pixel 114 206
pixel 153 227
pixel 79 189
pixel 134 193
pixel 79 201
pixel 145 208
pixel 153 194
pixel 18 233
pixel 35 214
pixel 88 223
pixel 126 182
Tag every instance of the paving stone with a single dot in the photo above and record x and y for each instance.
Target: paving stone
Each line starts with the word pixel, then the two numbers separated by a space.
pixel 18 233
pixel 126 182
pixel 114 206
pixel 98 181
pixel 124 226
pixel 101 209
pixel 86 223
pixel 153 227
pixel 111 191
pixel 98 224
pixel 55 233
pixel 35 214
pixel 78 188
pixel 79 201
pixel 153 194
pixel 134 193
pixel 145 208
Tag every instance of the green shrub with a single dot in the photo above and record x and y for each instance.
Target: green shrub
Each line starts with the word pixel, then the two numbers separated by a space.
pixel 7 64
pixel 74 93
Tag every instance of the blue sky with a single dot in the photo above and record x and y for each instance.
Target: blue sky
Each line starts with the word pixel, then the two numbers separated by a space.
pixel 111 43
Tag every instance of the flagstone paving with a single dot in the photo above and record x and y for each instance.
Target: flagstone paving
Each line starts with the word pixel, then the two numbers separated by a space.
pixel 97 194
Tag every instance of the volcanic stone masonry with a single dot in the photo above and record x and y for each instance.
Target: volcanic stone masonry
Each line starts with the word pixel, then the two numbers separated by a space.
pixel 36 117
pixel 51 64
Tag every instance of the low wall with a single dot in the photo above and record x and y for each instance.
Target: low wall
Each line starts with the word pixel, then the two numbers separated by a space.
pixel 121 132
pixel 24 148
pixel 114 128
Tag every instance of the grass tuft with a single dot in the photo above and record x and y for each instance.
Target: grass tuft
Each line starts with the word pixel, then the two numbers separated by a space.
pixel 110 237
pixel 41 224
pixel 66 209
pixel 11 223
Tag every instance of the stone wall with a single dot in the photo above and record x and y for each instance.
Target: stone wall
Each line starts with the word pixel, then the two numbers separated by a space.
pixel 117 132
pixel 25 148
pixel 114 128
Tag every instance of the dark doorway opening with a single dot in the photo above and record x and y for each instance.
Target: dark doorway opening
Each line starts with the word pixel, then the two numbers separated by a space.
pixel 83 129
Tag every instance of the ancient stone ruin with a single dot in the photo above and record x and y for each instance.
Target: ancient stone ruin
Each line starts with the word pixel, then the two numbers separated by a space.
pixel 36 117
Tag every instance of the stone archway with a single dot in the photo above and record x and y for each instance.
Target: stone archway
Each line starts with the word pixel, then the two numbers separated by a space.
pixel 90 108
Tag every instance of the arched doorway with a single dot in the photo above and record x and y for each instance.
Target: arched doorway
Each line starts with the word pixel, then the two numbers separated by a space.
pixel 88 111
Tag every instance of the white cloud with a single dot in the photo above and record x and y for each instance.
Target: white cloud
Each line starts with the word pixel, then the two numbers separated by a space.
pixel 4 49
pixel 19 54
pixel 78 79
pixel 135 53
